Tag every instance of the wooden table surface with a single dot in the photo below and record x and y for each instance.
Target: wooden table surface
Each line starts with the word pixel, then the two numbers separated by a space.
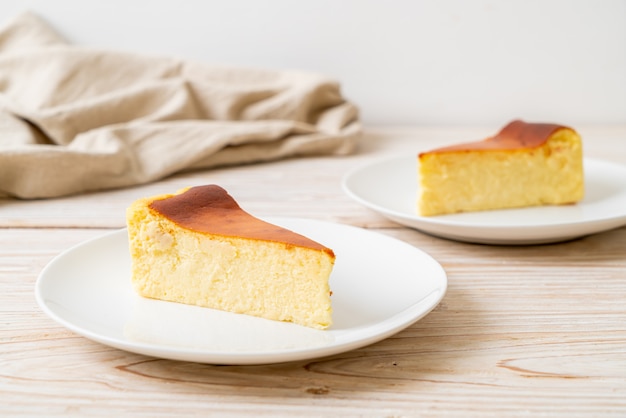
pixel 521 331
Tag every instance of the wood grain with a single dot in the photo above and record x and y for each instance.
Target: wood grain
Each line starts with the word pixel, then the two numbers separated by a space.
pixel 522 331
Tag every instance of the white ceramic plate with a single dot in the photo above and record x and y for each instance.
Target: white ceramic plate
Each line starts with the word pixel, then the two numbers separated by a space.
pixel 380 286
pixel 390 188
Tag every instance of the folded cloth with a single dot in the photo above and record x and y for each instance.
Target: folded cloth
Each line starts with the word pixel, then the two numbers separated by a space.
pixel 75 119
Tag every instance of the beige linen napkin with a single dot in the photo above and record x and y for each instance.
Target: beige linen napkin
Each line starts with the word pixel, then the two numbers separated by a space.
pixel 75 119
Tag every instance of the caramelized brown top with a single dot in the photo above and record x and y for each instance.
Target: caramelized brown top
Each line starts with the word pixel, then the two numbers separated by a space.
pixel 210 209
pixel 517 134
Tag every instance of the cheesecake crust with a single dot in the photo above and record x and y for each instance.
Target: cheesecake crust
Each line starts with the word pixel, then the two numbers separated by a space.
pixel 210 209
pixel 516 135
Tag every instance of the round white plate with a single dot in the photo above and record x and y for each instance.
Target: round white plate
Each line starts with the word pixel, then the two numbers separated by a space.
pixel 390 188
pixel 380 286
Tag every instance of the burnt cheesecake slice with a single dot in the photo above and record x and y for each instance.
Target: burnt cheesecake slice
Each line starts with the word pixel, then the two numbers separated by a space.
pixel 525 164
pixel 199 247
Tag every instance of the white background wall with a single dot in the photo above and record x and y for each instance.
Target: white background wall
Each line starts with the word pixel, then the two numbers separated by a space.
pixel 426 62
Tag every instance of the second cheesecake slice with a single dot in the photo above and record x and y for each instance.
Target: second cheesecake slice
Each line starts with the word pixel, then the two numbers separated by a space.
pixel 525 164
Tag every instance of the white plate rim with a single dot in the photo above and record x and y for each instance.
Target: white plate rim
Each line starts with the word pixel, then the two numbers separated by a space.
pixel 363 336
pixel 484 233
